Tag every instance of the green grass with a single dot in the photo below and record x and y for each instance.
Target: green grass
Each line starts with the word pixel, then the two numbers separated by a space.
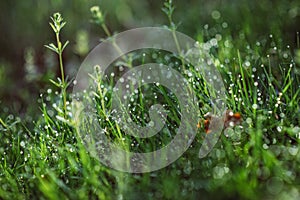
pixel 258 159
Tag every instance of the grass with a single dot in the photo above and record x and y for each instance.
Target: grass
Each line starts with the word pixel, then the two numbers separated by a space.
pixel 258 159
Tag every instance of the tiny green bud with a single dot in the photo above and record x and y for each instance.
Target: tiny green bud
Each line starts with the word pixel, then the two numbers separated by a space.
pixel 97 16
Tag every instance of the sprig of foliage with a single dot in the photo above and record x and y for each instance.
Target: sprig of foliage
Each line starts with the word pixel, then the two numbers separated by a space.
pixel 57 24
pixel 98 18
pixel 168 9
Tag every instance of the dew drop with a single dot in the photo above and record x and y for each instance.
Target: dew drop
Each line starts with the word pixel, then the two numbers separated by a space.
pixel 224 25
pixel 249 120
pixel 293 150
pixel 216 14
pixel 279 128
pixel 22 144
pixel 265 146
pixel 255 106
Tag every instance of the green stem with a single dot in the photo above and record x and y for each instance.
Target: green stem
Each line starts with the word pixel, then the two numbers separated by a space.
pixel 60 58
pixel 3 124
pixel 107 32
pixel 63 87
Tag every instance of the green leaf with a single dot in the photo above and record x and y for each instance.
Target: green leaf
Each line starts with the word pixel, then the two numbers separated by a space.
pixel 52 47
pixel 165 10
pixel 66 43
pixel 2 122
pixel 62 25
pixel 54 83
pixel 53 27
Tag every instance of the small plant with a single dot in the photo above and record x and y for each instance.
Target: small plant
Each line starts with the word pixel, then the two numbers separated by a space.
pixel 99 19
pixel 57 24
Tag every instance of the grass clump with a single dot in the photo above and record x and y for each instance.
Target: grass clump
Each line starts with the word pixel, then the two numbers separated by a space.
pixel 259 158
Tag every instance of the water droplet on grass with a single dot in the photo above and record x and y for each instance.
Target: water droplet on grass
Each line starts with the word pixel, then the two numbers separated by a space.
pixel 255 106
pixel 213 42
pixel 249 120
pixel 224 25
pixel 265 146
pixel 22 144
pixel 247 64
pixel 216 14
pixel 279 128
pixel 293 150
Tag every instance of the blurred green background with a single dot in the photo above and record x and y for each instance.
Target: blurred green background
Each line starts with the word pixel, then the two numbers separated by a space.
pixel 26 66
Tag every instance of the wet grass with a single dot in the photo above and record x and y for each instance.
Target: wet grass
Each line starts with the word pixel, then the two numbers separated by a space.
pixel 259 158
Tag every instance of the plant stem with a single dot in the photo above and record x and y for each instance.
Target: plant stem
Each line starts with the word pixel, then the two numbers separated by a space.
pixel 107 32
pixel 63 85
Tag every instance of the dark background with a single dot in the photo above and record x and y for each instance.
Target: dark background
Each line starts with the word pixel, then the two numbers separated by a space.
pixel 26 65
